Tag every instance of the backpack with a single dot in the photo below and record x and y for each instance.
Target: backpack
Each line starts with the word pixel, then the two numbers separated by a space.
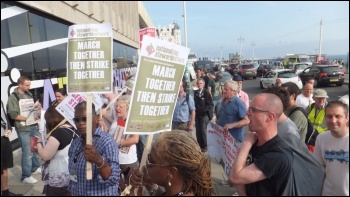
pixel 311 133
pixel 187 98
pixel 11 121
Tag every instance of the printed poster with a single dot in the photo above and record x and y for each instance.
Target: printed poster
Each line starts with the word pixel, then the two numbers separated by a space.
pixel 222 145
pixel 160 69
pixel 66 107
pixel 29 109
pixel 89 59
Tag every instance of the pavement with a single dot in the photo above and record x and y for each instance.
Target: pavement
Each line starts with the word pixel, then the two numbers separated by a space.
pixel 16 186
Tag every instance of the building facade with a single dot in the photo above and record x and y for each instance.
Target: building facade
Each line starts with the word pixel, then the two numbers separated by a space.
pixel 172 33
pixel 34 36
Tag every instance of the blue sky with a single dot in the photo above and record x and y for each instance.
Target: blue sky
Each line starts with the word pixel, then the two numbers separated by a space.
pixel 276 28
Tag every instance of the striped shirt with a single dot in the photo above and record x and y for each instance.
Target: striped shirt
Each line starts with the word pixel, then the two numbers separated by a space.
pixel 108 148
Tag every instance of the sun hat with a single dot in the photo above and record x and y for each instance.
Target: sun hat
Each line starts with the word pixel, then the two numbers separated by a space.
pixel 319 93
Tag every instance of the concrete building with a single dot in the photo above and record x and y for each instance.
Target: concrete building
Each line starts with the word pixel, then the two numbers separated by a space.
pixel 34 37
pixel 235 57
pixel 172 33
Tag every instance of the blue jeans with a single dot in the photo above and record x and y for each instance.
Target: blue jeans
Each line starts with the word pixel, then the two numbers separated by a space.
pixel 216 106
pixel 30 161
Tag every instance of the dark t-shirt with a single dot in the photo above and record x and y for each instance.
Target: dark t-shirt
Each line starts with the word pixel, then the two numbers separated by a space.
pixel 275 160
pixel 64 136
pixel 206 80
pixel 211 83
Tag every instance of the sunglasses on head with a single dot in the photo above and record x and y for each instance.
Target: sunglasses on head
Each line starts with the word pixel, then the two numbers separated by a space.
pixel 78 119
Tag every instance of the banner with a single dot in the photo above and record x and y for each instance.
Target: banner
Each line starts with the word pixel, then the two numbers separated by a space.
pixel 160 69
pixel 66 107
pixel 89 65
pixel 149 31
pixel 222 145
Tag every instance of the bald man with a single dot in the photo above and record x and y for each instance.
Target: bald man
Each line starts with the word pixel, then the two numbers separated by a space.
pixel 277 166
pixel 266 147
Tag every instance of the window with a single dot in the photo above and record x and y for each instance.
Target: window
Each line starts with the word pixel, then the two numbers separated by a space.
pixel 314 70
pixel 307 70
pixel 247 66
pixel 286 75
pixel 270 75
pixel 331 69
pixel 300 66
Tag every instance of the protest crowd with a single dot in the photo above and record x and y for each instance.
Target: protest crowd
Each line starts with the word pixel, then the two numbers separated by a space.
pixel 151 136
pixel 273 158
pixel 96 101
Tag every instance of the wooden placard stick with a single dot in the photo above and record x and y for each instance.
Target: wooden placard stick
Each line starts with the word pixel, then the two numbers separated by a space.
pixel 59 124
pixel 146 150
pixel 89 132
pixel 113 100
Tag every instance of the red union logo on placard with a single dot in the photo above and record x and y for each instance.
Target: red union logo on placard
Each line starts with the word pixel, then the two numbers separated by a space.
pixel 150 49
pixel 72 33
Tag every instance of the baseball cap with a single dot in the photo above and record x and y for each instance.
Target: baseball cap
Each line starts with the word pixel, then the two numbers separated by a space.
pixel 319 93
pixel 237 78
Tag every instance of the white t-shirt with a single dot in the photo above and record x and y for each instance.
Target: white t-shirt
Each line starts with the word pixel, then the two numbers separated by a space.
pixel 333 154
pixel 303 101
pixel 130 157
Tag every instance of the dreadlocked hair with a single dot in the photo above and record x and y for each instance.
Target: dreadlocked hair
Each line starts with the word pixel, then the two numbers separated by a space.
pixel 179 149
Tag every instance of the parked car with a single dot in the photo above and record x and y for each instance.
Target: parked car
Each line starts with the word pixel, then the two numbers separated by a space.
pixel 297 67
pixel 231 67
pixel 222 67
pixel 204 64
pixel 226 76
pixel 323 75
pixel 263 69
pixel 246 70
pixel 283 75
pixel 256 64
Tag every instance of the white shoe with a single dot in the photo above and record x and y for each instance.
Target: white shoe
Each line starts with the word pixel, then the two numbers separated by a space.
pixel 37 171
pixel 30 180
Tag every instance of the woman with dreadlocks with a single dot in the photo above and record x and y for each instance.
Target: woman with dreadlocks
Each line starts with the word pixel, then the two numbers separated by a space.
pixel 177 164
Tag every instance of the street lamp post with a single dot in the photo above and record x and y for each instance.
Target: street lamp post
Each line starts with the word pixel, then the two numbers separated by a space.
pixel 185 24
pixel 253 45
pixel 221 54
pixel 240 40
pixel 320 42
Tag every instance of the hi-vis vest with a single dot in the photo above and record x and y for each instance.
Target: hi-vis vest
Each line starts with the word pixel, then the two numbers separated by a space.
pixel 319 120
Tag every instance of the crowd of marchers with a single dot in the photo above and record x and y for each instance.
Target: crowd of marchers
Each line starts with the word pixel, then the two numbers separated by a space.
pixel 285 157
